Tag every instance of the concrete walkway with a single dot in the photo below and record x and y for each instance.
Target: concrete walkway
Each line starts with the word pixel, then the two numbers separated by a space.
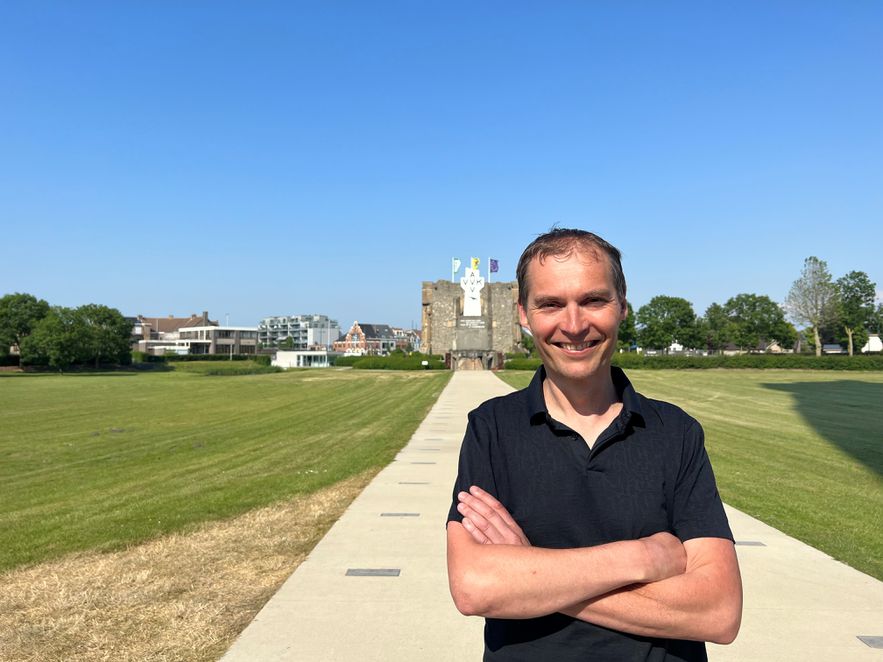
pixel 375 587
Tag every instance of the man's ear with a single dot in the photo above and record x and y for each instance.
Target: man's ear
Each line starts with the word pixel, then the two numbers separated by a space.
pixel 522 316
pixel 624 313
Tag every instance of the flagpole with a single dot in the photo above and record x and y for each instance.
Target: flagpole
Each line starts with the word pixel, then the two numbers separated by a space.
pixel 488 271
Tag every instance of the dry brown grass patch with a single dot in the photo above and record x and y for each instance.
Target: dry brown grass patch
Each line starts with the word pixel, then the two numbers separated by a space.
pixel 181 597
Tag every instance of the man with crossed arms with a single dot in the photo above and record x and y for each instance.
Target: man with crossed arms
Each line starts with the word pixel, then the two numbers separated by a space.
pixel 586 523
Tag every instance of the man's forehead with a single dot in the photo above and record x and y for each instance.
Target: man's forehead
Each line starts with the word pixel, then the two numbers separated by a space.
pixel 587 257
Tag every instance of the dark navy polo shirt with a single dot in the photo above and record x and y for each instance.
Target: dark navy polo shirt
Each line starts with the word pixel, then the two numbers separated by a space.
pixel 647 472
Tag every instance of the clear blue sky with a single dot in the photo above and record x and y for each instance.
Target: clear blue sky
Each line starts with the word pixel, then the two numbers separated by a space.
pixel 263 158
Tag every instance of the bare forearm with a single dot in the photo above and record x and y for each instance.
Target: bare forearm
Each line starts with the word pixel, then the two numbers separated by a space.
pixel 512 581
pixel 703 604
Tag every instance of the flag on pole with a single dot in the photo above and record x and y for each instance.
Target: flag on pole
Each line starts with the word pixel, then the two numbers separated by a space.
pixel 494 265
pixel 455 267
pixel 475 262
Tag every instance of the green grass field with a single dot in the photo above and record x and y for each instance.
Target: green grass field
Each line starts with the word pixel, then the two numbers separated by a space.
pixel 800 450
pixel 101 461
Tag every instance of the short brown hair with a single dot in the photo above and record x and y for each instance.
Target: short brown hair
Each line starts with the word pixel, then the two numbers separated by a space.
pixel 560 242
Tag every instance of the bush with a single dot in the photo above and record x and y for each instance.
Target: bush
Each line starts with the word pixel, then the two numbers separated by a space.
pixel 343 361
pixel 144 357
pixel 413 362
pixel 395 361
pixel 522 364
pixel 8 359
pixel 231 368
pixel 752 361
pixel 634 361
pixel 175 358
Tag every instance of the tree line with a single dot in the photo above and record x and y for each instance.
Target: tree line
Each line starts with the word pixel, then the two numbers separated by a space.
pixel 838 311
pixel 841 312
pixel 58 337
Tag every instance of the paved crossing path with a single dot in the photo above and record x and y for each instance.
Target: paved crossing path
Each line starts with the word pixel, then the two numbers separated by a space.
pixel 375 587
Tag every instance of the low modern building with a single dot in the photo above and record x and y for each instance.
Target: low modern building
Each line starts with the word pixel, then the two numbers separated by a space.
pixel 219 339
pixel 304 358
pixel 305 331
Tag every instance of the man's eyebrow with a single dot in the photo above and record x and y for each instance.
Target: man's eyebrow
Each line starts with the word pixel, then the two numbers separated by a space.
pixel 602 293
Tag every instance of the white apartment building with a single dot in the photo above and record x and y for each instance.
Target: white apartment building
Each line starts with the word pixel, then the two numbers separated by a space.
pixel 305 331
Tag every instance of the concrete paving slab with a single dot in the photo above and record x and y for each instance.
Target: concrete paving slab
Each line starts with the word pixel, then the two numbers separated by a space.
pixel 800 604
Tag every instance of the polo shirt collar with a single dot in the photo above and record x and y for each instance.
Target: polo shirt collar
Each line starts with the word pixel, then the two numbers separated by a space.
pixel 631 403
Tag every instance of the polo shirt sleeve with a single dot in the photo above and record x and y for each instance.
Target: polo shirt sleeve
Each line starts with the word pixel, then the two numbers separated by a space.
pixel 698 511
pixel 476 467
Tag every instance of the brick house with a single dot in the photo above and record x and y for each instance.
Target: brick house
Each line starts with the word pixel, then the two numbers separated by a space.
pixel 367 340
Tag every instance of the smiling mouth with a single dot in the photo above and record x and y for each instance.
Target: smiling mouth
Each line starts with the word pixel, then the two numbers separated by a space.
pixel 576 347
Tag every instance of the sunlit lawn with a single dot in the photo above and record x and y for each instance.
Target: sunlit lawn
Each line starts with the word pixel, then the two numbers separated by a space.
pixel 800 450
pixel 100 461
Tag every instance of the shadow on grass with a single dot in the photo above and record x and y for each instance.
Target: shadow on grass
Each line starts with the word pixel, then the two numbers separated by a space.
pixel 849 414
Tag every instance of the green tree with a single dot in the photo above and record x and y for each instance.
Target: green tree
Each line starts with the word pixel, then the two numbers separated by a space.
pixel 628 332
pixel 714 328
pixel 106 335
pixel 57 340
pixel 813 298
pixel 19 313
pixel 529 344
pixel 287 343
pixel 856 294
pixel 89 334
pixel 757 320
pixel 666 320
pixel 875 323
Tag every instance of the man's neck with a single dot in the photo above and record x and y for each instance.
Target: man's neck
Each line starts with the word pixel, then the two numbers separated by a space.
pixel 592 397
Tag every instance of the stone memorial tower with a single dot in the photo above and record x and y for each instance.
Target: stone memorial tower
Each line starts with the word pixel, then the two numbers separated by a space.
pixel 472 322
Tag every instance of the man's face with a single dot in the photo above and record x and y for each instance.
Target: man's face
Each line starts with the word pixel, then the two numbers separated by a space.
pixel 573 313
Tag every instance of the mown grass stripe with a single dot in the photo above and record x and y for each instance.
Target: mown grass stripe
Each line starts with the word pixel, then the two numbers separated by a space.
pixel 193 448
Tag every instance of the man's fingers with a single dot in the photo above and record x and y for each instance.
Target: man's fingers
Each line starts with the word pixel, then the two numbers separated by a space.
pixel 481 524
pixel 499 510
pixel 480 506
pixel 491 517
pixel 494 503
pixel 476 533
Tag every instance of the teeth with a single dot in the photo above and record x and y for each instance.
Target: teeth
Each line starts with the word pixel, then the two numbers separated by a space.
pixel 578 347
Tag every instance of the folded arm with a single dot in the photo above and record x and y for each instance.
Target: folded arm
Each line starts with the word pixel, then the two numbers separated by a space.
pixel 704 603
pixel 493 570
pixel 702 600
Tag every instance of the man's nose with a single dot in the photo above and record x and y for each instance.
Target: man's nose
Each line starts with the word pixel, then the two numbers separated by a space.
pixel 575 320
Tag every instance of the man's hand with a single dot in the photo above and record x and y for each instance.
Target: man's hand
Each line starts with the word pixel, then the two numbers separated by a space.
pixel 487 520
